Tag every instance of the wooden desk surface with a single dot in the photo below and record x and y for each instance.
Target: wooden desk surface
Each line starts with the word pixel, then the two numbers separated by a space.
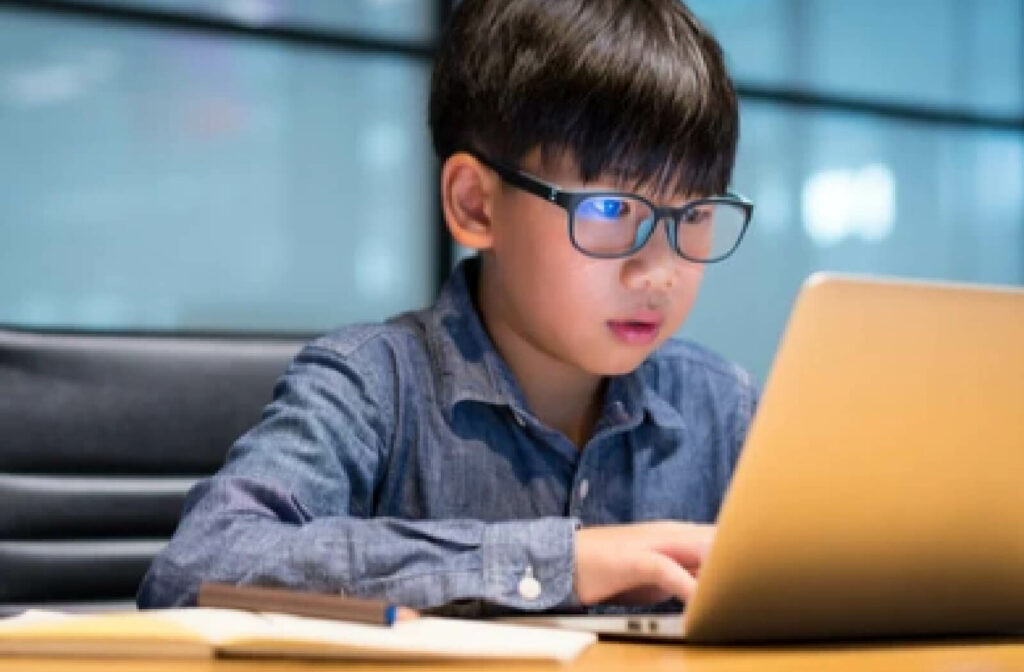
pixel 960 656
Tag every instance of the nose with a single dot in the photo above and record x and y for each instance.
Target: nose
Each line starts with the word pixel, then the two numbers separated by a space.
pixel 654 266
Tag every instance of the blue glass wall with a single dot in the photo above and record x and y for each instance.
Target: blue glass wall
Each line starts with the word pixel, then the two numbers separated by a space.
pixel 167 178
pixel 173 179
pixel 861 192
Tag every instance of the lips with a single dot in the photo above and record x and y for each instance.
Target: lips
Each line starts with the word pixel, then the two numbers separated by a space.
pixel 637 329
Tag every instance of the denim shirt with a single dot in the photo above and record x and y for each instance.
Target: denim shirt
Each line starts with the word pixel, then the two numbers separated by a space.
pixel 400 461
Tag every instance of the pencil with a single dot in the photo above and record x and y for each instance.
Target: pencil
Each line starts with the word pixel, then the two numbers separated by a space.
pixel 299 603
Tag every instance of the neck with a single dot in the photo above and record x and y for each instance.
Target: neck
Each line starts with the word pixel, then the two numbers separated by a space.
pixel 560 395
pixel 566 402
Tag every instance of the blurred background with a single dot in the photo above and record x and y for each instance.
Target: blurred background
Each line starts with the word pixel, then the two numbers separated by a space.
pixel 265 166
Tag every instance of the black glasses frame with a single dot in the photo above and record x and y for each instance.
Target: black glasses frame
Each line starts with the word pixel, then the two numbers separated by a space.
pixel 570 199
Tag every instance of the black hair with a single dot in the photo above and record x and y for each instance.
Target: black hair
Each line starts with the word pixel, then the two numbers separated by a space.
pixel 635 89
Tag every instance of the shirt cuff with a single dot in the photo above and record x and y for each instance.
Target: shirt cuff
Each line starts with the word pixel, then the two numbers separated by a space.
pixel 528 564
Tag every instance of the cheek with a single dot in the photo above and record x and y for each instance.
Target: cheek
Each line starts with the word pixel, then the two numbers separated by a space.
pixel 561 285
pixel 689 280
pixel 524 229
pixel 690 276
pixel 532 242
pixel 540 270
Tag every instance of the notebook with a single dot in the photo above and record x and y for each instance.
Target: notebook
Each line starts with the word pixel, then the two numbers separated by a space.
pixel 207 633
pixel 880 492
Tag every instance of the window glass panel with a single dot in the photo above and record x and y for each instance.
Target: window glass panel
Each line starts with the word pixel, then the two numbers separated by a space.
pixel 406 19
pixel 859 194
pixel 166 179
pixel 755 36
pixel 954 53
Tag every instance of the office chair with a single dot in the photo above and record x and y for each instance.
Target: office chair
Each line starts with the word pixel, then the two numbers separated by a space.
pixel 101 435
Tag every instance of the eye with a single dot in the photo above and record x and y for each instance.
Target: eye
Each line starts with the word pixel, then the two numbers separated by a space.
pixel 606 208
pixel 697 215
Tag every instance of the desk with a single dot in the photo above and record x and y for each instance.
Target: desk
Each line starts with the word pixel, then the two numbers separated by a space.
pixel 960 656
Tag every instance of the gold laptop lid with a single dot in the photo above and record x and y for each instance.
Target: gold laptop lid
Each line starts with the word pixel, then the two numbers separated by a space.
pixel 881 488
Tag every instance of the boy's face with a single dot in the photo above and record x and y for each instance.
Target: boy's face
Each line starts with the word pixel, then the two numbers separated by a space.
pixel 600 316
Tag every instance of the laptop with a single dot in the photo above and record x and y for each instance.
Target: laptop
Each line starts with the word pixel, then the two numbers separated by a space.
pixel 880 492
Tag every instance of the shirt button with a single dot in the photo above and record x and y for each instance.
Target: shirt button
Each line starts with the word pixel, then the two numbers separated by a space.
pixel 529 587
pixel 584 488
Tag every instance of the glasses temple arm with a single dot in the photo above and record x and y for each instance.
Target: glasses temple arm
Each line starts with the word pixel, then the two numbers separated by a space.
pixel 517 179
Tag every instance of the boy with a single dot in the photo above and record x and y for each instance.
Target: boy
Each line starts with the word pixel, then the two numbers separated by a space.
pixel 533 440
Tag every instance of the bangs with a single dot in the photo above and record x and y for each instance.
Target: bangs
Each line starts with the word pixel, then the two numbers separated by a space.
pixel 636 143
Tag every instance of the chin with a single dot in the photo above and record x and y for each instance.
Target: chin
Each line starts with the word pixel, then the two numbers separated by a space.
pixel 619 364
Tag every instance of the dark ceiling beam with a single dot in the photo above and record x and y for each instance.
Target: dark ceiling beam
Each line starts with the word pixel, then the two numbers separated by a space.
pixel 922 114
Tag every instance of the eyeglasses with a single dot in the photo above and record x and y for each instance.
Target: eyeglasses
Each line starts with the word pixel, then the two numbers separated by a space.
pixel 613 224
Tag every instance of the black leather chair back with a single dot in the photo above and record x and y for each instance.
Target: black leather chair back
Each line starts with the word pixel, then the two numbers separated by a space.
pixel 100 437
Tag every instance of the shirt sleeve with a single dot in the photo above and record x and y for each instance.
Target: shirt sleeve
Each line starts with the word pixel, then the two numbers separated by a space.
pixel 746 408
pixel 293 507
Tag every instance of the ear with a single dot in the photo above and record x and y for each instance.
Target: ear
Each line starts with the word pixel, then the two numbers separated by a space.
pixel 468 189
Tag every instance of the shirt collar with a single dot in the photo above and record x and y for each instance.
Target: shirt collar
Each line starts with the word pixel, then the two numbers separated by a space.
pixel 466 364
pixel 631 398
pixel 467 367
pixel 661 412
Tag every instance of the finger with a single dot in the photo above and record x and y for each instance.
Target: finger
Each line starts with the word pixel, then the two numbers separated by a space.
pixel 407 614
pixel 646 595
pixel 688 545
pixel 669 576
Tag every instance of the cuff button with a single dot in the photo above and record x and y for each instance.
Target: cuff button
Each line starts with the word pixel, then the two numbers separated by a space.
pixel 529 587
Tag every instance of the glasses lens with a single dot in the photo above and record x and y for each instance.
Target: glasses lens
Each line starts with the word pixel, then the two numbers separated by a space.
pixel 710 231
pixel 611 225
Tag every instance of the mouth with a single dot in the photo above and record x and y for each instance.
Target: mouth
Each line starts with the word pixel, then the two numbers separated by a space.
pixel 635 331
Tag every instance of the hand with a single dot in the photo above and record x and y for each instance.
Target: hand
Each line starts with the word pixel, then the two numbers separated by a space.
pixel 640 563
